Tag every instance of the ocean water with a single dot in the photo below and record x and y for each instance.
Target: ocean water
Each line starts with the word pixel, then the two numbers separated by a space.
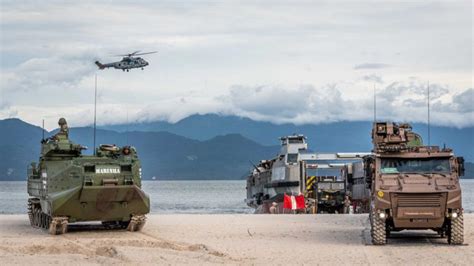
pixel 198 197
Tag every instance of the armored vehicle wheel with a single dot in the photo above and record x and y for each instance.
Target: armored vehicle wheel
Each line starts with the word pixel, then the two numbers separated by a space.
pixel 378 229
pixel 136 223
pixel 46 221
pixel 36 217
pixel 30 212
pixel 58 225
pixel 456 231
pixel 34 211
pixel 42 220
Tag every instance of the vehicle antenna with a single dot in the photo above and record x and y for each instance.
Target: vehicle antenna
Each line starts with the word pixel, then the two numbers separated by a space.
pixel 375 105
pixel 95 110
pixel 126 132
pixel 429 128
pixel 254 166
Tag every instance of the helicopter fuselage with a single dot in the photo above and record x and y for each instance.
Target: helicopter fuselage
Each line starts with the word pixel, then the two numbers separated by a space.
pixel 125 64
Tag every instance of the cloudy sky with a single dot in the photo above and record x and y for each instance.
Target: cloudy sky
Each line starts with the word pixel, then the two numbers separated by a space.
pixel 279 61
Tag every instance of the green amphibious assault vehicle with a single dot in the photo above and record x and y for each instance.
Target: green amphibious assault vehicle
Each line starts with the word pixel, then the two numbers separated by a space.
pixel 67 187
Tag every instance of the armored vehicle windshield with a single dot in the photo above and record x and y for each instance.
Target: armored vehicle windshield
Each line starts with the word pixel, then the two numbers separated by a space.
pixel 415 165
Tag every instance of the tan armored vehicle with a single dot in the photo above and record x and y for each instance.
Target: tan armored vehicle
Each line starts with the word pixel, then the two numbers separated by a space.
pixel 412 186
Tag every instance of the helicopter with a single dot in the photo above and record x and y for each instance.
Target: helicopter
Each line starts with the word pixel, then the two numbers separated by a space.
pixel 128 62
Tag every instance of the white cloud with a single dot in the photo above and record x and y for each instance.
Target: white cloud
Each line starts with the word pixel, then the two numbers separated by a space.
pixel 305 104
pixel 373 78
pixel 461 103
pixel 42 74
pixel 371 66
pixel 48 49
pixel 397 101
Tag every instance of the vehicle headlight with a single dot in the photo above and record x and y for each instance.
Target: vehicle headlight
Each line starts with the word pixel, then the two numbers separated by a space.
pixel 382 215
pixel 454 215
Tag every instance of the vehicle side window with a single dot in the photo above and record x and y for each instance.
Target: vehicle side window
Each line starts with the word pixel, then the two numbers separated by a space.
pixel 292 158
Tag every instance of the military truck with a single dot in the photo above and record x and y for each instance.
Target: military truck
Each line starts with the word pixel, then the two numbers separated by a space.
pixel 358 192
pixel 328 192
pixel 412 186
pixel 67 186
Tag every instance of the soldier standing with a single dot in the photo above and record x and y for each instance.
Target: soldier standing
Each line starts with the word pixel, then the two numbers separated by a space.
pixel 63 131
pixel 347 204
pixel 63 128
pixel 273 208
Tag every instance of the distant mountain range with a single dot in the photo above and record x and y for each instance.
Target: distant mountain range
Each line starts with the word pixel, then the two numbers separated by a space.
pixel 163 155
pixel 207 146
pixel 331 137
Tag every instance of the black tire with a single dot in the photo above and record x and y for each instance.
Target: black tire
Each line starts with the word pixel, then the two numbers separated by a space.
pixel 456 231
pixel 30 212
pixel 378 230
pixel 42 220
pixel 387 231
pixel 37 217
pixel 48 221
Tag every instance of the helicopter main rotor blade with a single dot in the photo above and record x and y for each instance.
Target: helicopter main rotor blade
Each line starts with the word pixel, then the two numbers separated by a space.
pixel 147 53
pixel 134 53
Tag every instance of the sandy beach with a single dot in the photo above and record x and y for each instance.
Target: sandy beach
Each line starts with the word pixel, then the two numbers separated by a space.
pixel 230 239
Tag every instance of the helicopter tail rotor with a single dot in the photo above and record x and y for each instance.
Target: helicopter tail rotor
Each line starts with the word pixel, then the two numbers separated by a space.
pixel 101 66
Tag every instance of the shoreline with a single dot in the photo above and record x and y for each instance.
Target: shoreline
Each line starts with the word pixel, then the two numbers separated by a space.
pixel 231 239
pixel 186 180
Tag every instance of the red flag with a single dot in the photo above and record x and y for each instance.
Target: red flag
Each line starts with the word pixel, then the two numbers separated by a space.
pixel 293 202
pixel 286 202
pixel 300 204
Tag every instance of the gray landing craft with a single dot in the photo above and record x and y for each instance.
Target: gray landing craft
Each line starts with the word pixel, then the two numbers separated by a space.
pixel 324 179
pixel 67 187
